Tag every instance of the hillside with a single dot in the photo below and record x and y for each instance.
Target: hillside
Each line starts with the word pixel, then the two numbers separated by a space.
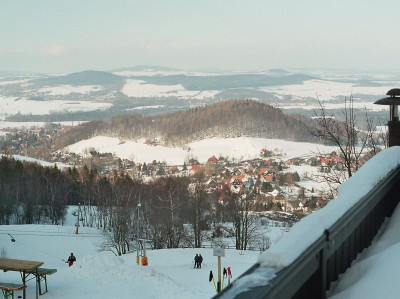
pixel 81 78
pixel 227 119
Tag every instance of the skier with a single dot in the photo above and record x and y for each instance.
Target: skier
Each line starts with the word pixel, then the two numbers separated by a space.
pixel 229 274
pixel 71 259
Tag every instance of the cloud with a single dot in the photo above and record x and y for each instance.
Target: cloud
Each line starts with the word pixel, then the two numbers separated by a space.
pixel 55 50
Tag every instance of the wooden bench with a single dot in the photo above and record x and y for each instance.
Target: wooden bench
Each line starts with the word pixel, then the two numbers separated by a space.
pixel 41 275
pixel 9 288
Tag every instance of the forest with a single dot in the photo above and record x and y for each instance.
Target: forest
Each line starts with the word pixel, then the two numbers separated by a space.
pixel 232 118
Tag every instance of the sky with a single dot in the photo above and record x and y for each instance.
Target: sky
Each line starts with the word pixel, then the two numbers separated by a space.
pixel 73 35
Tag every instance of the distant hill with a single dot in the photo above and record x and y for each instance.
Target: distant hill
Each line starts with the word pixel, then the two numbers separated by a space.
pixel 145 68
pixel 233 118
pixel 82 78
pixel 220 82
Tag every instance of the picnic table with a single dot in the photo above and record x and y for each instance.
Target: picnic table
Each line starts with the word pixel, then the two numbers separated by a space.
pixel 25 267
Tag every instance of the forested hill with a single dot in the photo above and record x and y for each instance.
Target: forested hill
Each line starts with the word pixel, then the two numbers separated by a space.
pixel 233 118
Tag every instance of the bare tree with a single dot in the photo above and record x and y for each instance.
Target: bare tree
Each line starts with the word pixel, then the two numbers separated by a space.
pixel 245 227
pixel 116 238
pixel 355 145
pixel 197 201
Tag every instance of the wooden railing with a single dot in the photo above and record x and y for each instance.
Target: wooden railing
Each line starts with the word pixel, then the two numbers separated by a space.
pixel 310 275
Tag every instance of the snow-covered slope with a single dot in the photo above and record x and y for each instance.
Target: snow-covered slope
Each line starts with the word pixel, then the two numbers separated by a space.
pixel 235 148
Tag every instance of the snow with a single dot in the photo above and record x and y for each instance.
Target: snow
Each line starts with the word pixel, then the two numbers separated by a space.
pixel 68 89
pixel 369 106
pixel 15 105
pixel 325 90
pixel 98 275
pixel 7 82
pixel 369 277
pixel 61 166
pixel 311 227
pixel 375 273
pixel 235 148
pixel 140 88
pixel 36 124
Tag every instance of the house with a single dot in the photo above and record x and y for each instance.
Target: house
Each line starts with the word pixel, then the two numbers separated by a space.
pixel 237 180
pixel 212 160
pixel 212 184
pixel 196 168
pixel 268 178
pixel 324 161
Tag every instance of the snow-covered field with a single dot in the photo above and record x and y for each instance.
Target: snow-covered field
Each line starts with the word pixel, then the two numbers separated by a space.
pixel 14 105
pixel 139 88
pixel 325 90
pixel 235 148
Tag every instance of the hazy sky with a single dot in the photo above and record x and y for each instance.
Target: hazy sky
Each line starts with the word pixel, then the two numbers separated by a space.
pixel 76 35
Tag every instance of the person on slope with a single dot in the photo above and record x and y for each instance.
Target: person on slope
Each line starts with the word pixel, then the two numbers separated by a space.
pixel 200 261
pixel 196 261
pixel 71 260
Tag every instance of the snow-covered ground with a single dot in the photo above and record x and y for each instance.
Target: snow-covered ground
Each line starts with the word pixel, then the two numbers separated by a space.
pixel 376 273
pixel 325 89
pixel 140 88
pixel 36 124
pixel 15 105
pixel 68 89
pixel 98 275
pixel 242 148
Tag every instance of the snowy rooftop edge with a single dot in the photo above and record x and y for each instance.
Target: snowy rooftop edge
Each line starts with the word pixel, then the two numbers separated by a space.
pixel 310 228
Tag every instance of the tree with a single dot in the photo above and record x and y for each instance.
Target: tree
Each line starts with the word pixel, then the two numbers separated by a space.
pixel 172 194
pixel 346 134
pixel 240 208
pixel 197 202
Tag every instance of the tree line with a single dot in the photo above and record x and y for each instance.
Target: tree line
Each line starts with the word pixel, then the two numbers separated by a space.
pixel 174 211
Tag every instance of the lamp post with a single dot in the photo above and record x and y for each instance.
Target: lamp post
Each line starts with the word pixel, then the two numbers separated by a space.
pixel 393 125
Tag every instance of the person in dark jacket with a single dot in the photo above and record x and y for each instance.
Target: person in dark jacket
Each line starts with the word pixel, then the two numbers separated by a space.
pixel 200 261
pixel 196 261
pixel 71 260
